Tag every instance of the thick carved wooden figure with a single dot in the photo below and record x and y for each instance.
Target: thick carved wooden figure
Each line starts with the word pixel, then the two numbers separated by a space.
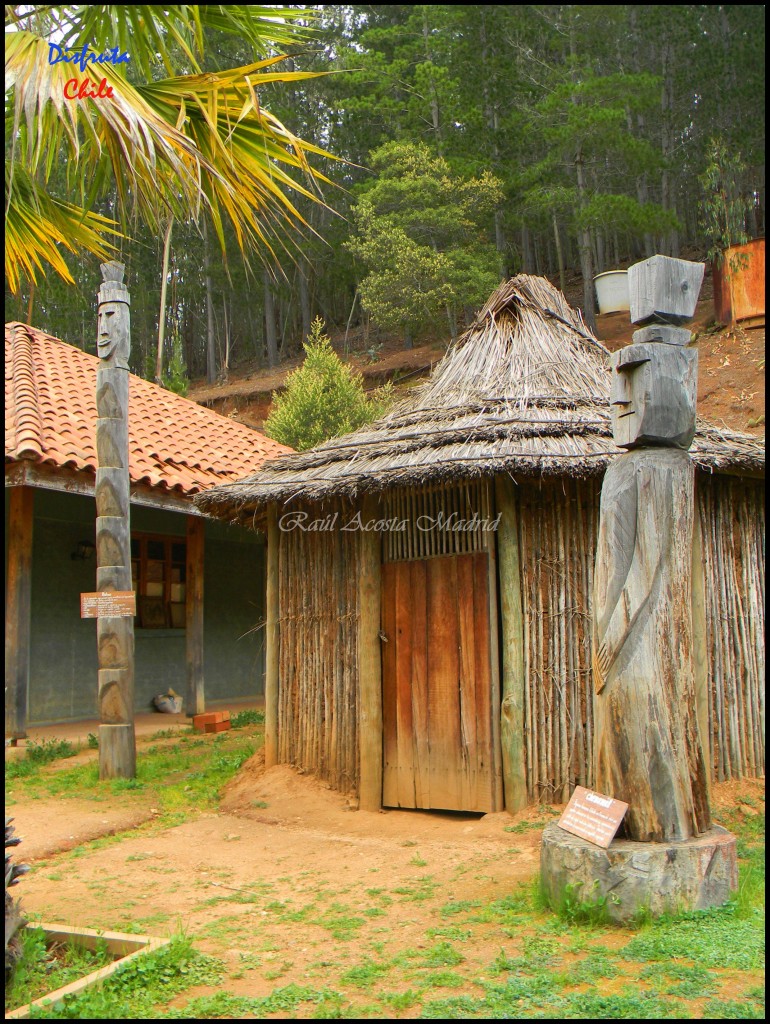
pixel 648 749
pixel 115 636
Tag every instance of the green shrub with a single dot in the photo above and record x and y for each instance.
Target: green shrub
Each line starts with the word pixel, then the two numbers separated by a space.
pixel 324 398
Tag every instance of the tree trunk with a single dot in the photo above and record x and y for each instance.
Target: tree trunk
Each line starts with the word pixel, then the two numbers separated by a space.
pixel 162 312
pixel 211 356
pixel 304 298
pixel 271 340
pixel 584 246
pixel 559 254
pixel 527 263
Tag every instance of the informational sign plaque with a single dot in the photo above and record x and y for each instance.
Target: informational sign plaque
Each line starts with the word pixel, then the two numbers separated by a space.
pixel 114 603
pixel 592 816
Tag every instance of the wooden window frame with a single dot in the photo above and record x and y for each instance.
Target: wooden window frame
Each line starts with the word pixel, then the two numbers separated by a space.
pixel 168 541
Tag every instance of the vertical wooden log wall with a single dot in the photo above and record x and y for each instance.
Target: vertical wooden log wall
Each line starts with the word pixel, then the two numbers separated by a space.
pixel 272 640
pixel 318 625
pixel 512 632
pixel 195 701
pixel 557 528
pixel 370 665
pixel 733 532
pixel 18 611
pixel 700 642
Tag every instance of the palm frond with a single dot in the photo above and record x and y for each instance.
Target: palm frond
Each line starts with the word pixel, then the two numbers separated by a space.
pixel 167 147
pixel 36 225
pixel 137 29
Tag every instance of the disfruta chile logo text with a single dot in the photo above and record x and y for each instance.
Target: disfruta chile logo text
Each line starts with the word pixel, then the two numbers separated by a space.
pixel 81 58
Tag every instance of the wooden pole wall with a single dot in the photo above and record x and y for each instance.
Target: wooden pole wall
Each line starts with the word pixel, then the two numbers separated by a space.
pixel 700 643
pixel 18 610
pixel 318 623
pixel 369 666
pixel 195 703
pixel 558 523
pixel 272 640
pixel 733 531
pixel 512 727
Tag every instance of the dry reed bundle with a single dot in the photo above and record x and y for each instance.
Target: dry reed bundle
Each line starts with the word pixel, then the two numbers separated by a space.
pixel 733 523
pixel 318 631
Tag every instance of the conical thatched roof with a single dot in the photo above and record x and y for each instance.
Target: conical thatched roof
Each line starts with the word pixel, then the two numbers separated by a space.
pixel 525 390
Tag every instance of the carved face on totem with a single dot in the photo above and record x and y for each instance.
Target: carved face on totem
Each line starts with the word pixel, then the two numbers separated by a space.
pixel 113 333
pixel 653 396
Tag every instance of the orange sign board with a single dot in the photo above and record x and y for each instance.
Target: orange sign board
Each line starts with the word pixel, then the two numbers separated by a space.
pixel 114 603
pixel 592 816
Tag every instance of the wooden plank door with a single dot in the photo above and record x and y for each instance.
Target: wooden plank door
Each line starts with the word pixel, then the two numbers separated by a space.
pixel 438 737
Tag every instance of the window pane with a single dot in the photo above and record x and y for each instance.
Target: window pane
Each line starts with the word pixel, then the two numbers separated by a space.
pixel 156 549
pixel 178 552
pixel 134 548
pixel 155 570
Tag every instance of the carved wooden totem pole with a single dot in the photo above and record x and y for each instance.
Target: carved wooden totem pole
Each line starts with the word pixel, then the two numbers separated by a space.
pixel 115 636
pixel 648 748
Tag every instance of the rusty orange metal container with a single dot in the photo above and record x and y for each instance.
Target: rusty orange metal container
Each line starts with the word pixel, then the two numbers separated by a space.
pixel 739 293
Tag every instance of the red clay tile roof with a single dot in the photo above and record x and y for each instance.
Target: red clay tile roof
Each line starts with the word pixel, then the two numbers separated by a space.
pixel 174 444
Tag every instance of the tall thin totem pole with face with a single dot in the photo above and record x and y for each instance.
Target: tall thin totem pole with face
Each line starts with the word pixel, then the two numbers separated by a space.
pixel 115 635
pixel 648 749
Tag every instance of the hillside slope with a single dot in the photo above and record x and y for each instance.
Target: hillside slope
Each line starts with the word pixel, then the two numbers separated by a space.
pixel 731 372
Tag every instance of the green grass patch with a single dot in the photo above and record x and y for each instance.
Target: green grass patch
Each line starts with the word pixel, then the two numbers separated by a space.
pixel 139 989
pixel 676 979
pixel 423 889
pixel 733 1009
pixel 178 777
pixel 594 967
pixel 248 717
pixel 441 954
pixel 339 922
pixel 720 937
pixel 41 970
pixel 37 754
pixel 365 974
pixel 282 1001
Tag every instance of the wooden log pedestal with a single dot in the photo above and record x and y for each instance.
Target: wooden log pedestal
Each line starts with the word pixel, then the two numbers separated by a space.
pixel 633 878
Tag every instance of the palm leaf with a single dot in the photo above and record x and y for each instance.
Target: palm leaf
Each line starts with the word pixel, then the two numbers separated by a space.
pixel 136 29
pixel 168 146
pixel 36 225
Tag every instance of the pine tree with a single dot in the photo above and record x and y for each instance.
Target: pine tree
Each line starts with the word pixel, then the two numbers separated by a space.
pixel 324 398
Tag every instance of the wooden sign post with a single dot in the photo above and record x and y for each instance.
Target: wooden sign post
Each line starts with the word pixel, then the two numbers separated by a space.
pixel 115 628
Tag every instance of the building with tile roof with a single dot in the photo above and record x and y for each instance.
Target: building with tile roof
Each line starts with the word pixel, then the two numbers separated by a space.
pixel 176 449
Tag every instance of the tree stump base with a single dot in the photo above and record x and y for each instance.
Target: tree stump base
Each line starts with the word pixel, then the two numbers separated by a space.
pixel 630 879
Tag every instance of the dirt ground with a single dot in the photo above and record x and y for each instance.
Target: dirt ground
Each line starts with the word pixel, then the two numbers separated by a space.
pixel 272 823
pixel 276 877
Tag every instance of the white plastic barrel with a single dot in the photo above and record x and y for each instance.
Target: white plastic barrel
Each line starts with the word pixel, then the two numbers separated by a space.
pixel 612 291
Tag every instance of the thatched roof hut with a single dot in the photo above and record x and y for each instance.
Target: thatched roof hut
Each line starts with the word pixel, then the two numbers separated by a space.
pixel 525 390
pixel 369 689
